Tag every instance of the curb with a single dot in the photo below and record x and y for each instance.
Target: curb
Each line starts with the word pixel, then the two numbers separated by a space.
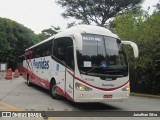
pixel 145 95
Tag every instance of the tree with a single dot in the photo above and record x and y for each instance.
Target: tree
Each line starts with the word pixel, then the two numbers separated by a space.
pixel 97 11
pixel 157 7
pixel 145 31
pixel 71 24
pixel 14 39
pixel 46 33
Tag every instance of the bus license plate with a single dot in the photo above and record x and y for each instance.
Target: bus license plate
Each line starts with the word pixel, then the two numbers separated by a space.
pixel 107 96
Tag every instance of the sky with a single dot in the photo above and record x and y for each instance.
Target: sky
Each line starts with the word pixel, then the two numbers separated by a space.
pixel 41 14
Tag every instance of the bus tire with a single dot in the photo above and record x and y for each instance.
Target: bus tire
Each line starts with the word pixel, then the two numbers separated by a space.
pixel 28 81
pixel 53 91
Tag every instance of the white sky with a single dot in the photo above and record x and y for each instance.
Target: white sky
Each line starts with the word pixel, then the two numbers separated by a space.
pixel 40 14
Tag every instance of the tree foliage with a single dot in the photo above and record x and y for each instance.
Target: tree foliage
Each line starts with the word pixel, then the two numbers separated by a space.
pixel 97 11
pixel 157 7
pixel 46 33
pixel 14 39
pixel 145 31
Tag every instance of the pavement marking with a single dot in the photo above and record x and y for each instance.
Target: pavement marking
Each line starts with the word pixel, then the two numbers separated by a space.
pixel 7 109
pixel 50 118
pixel 8 106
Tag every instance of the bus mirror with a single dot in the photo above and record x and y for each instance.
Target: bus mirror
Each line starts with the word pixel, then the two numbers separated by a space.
pixel 134 46
pixel 78 41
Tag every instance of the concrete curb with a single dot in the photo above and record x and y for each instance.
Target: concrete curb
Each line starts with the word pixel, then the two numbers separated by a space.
pixel 145 95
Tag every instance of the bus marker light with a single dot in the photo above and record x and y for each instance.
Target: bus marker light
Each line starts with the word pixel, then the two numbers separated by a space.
pixel 81 95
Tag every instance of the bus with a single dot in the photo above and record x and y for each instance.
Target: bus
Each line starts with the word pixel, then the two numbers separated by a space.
pixel 84 63
pixel 20 64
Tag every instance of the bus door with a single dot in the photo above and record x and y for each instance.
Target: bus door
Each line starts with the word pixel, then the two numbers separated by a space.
pixel 69 70
pixel 63 52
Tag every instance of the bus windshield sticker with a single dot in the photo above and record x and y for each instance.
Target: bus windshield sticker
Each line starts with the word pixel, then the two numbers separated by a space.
pixel 104 65
pixel 57 67
pixel 87 64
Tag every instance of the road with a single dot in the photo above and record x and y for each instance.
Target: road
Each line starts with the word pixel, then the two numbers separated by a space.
pixel 16 95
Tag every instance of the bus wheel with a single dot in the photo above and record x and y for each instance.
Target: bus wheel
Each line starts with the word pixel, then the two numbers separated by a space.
pixel 28 81
pixel 53 91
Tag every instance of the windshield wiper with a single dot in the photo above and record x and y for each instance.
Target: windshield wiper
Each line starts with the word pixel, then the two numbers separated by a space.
pixel 116 71
pixel 91 69
pixel 105 75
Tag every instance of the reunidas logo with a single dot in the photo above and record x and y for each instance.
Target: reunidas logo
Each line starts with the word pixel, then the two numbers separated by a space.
pixel 43 64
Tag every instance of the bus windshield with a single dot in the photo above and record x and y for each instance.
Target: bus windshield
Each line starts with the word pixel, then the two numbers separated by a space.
pixel 102 56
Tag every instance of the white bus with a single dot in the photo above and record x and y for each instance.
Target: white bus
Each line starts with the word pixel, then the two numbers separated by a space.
pixel 84 63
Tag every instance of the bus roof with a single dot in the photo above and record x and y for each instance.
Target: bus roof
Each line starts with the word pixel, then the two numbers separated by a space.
pixel 90 29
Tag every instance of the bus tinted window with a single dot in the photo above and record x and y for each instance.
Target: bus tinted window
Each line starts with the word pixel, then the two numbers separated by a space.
pixel 46 49
pixel 63 50
pixel 42 50
pixel 59 48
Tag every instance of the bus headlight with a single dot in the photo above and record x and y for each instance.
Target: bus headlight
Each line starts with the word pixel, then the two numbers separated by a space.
pixel 81 87
pixel 127 88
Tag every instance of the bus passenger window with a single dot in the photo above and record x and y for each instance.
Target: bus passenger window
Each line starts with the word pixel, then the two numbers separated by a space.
pixel 58 50
pixel 70 57
pixel 63 50
pixel 37 53
pixel 46 49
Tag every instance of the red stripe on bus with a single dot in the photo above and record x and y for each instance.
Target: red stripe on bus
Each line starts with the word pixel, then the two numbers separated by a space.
pixel 64 94
pixel 47 84
pixel 60 91
pixel 104 89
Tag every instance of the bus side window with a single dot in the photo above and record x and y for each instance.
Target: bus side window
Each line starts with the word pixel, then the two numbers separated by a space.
pixel 63 50
pixel 69 53
pixel 46 49
pixel 37 53
pixel 33 54
pixel 58 49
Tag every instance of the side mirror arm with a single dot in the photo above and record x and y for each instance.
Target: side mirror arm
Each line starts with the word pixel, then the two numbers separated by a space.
pixel 134 46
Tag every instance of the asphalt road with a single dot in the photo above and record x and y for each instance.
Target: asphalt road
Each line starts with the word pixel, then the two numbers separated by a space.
pixel 16 95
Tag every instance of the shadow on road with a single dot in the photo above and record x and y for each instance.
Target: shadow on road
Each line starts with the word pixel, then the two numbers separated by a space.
pixel 81 106
pixel 92 106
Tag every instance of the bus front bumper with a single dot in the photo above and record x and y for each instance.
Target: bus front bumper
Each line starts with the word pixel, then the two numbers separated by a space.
pixel 101 97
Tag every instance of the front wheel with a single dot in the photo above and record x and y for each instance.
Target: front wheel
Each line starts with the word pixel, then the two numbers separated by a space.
pixel 53 91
